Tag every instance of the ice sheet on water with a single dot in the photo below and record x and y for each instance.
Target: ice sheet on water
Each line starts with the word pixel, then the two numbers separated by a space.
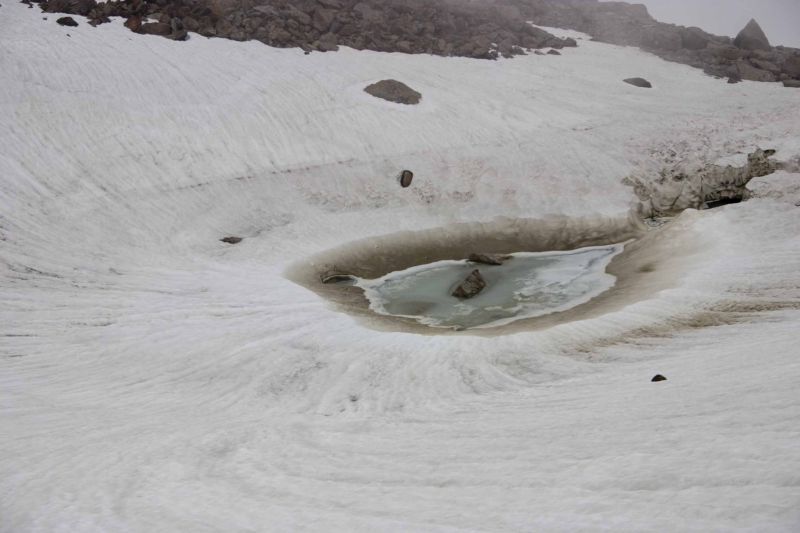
pixel 527 286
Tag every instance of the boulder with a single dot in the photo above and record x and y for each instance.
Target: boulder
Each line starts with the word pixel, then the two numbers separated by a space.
pixel 155 28
pixel 657 378
pixel 751 73
pixel 405 178
pixel 694 39
pixel 792 66
pixel 67 21
pixel 794 84
pixel 489 259
pixel 553 53
pixel 639 82
pixel 394 91
pixel 471 286
pixel 231 240
pixel 752 37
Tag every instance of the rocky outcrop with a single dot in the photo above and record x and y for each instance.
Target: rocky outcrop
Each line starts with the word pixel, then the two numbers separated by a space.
pixel 677 189
pixel 440 27
pixel 488 259
pixel 748 57
pixel 67 21
pixel 471 286
pixel 394 91
pixel 752 37
pixel 639 82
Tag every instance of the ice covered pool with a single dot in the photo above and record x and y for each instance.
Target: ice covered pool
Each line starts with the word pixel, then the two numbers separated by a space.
pixel 526 286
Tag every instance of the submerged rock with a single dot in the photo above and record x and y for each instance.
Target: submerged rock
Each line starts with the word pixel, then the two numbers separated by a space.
pixel 488 259
pixel 394 91
pixel 471 286
pixel 639 82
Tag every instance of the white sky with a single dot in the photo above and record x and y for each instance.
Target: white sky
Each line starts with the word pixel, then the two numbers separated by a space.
pixel 780 19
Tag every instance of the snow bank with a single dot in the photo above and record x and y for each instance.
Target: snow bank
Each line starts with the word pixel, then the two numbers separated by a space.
pixel 153 378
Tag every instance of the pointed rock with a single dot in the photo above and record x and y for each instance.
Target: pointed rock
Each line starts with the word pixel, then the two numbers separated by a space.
pixel 471 286
pixel 752 37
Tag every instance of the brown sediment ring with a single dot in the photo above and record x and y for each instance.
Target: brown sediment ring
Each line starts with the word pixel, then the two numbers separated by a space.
pixel 650 262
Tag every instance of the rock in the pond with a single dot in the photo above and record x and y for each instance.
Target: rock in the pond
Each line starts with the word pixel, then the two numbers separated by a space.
pixel 488 259
pixel 67 21
pixel 231 240
pixel 752 37
pixel 639 82
pixel 657 378
pixel 394 91
pixel 471 286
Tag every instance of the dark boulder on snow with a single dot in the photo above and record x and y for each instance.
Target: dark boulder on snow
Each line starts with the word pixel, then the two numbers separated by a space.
pixel 657 378
pixel 639 82
pixel 67 21
pixel 394 91
pixel 752 37
pixel 471 286
pixel 231 240
pixel 405 178
pixel 794 84
pixel 553 53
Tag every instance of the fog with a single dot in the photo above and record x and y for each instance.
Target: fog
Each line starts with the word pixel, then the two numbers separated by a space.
pixel 780 19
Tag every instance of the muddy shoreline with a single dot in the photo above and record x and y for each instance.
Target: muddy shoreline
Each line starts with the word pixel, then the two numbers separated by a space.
pixel 652 261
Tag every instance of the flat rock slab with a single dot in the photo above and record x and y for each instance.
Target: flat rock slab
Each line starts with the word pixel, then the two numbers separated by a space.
pixel 394 91
pixel 471 286
pixel 488 259
pixel 639 82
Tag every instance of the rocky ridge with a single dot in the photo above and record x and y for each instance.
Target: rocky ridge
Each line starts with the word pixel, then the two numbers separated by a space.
pixel 485 29
pixel 411 26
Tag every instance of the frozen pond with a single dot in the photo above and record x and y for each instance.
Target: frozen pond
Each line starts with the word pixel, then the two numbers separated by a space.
pixel 526 286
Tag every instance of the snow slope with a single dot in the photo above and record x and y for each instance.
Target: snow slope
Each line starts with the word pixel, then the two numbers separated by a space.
pixel 155 379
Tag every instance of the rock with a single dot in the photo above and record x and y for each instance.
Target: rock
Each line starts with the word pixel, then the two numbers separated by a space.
pixel 751 73
pixel 134 23
pixel 72 7
pixel 795 84
pixel 553 53
pixel 792 67
pixel 752 37
pixel 231 240
pixel 694 39
pixel 639 82
pixel 405 178
pixel 394 91
pixel 67 21
pixel 328 43
pixel 155 28
pixel 471 286
pixel 657 378
pixel 734 78
pixel 489 259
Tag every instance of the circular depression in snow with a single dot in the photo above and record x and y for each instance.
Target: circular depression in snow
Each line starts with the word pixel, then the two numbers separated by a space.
pixel 528 285
pixel 563 270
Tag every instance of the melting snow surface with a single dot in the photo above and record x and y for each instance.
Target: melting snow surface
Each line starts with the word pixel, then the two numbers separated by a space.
pixel 153 378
